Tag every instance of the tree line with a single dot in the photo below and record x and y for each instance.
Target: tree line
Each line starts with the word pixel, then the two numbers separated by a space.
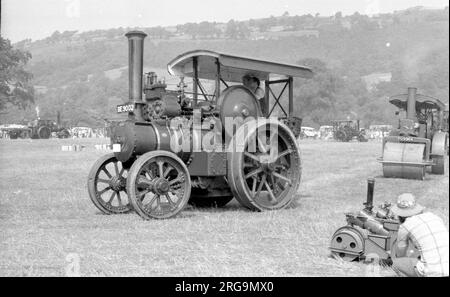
pixel 415 53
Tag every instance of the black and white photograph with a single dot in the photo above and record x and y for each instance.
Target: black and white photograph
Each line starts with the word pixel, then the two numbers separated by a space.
pixel 224 146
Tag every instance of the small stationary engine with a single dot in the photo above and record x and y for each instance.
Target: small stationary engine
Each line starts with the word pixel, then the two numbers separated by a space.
pixel 369 234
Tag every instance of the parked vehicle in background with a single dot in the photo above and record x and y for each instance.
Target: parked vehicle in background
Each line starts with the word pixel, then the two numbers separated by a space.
pixel 326 132
pixel 44 128
pixel 348 130
pixel 81 132
pixel 14 131
pixel 308 132
pixel 378 131
pixel 419 141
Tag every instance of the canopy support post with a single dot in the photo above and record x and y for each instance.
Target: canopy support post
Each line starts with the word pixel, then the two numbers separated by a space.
pixel 218 79
pixel 195 80
pixel 266 98
pixel 291 96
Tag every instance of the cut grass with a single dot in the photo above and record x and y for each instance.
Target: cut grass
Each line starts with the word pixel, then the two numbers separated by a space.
pixel 46 216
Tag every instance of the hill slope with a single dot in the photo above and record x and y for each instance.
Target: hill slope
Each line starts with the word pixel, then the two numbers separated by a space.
pixel 88 71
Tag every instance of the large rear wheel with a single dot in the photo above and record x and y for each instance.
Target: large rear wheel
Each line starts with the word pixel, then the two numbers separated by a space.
pixel 341 136
pixel 439 150
pixel 44 132
pixel 264 168
pixel 159 185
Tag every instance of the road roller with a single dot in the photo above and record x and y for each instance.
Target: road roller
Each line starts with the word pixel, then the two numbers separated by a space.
pixel 420 141
pixel 209 140
pixel 369 235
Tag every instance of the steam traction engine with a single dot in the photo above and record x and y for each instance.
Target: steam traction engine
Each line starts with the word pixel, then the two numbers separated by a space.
pixel 420 141
pixel 345 131
pixel 178 146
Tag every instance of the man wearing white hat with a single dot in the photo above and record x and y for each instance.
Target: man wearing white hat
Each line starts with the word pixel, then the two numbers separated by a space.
pixel 427 233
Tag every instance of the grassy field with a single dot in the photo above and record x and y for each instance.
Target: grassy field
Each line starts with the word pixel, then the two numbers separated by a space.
pixel 49 225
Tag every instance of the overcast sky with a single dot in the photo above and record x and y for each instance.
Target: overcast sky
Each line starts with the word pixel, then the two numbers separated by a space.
pixel 38 19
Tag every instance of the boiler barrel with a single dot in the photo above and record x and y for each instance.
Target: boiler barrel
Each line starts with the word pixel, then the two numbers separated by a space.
pixel 137 138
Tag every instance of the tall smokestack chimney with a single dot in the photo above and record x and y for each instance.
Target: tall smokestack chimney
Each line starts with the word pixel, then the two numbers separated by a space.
pixel 58 118
pixel 370 190
pixel 136 69
pixel 411 104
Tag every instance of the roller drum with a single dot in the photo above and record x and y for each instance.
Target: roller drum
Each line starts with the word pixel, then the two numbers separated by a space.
pixel 404 160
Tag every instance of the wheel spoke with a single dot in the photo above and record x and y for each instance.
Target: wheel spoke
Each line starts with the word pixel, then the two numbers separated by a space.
pixel 112 197
pixel 168 170
pixel 161 168
pixel 104 190
pixel 255 182
pixel 263 180
pixel 101 180
pixel 121 172
pixel 251 156
pixel 170 200
pixel 158 202
pixel 116 168
pixel 271 195
pixel 285 153
pixel 272 142
pixel 106 172
pixel 282 177
pixel 151 202
pixel 246 164
pixel 142 194
pixel 119 199
pixel 179 179
pixel 143 182
pixel 253 173
pixel 148 175
pixel 271 181
pixel 148 171
pixel 261 146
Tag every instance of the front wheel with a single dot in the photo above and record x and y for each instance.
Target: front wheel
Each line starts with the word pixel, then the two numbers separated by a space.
pixel 159 185
pixel 106 186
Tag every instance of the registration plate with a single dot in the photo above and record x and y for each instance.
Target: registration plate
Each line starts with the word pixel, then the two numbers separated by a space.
pixel 125 108
pixel 406 139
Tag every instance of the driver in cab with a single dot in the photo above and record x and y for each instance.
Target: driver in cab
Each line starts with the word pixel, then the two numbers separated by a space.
pixel 253 84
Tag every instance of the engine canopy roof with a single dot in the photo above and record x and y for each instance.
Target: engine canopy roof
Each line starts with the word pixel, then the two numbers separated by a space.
pixel 232 68
pixel 422 102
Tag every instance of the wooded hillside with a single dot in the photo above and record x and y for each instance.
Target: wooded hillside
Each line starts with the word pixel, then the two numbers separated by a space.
pixel 84 74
